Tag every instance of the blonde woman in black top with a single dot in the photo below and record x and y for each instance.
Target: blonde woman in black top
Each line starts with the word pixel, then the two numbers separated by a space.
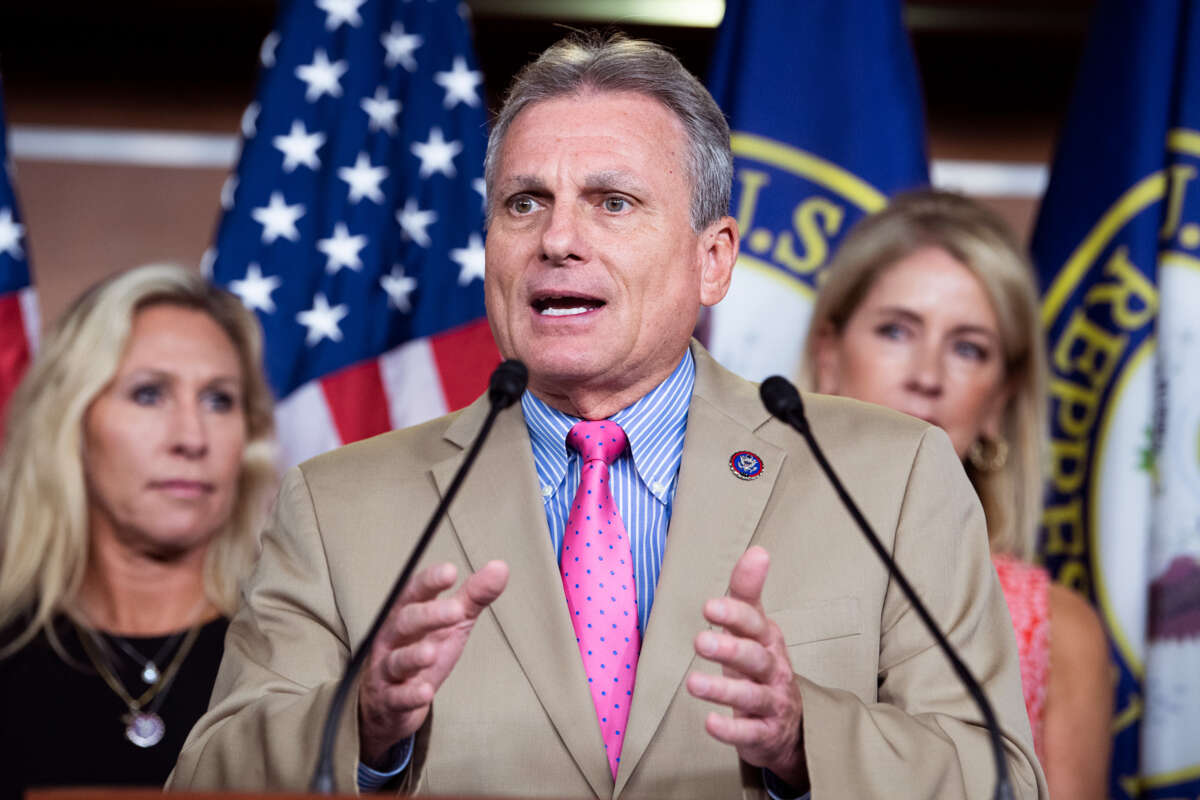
pixel 135 466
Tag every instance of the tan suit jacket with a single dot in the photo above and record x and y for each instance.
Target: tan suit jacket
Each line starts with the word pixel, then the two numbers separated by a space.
pixel 884 715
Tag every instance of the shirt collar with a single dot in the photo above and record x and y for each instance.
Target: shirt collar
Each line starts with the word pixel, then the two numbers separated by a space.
pixel 655 426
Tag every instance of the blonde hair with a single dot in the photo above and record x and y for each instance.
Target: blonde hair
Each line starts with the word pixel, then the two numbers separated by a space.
pixel 1012 494
pixel 44 507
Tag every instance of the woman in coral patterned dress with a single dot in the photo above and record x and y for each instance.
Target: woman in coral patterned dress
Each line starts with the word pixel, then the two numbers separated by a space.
pixel 929 308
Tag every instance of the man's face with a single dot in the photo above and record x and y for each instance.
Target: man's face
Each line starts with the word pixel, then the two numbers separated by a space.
pixel 594 275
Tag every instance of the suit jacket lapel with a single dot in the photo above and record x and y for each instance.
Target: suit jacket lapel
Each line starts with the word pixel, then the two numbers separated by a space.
pixel 713 519
pixel 499 514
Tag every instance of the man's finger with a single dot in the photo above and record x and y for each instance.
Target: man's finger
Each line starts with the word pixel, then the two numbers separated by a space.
pixel 481 589
pixel 744 697
pixel 742 656
pixel 738 618
pixel 416 619
pixel 749 576
pixel 737 731
pixel 403 662
pixel 420 611
pixel 428 584
pixel 400 697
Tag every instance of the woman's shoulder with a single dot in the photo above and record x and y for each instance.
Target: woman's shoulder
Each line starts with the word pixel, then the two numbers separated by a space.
pixel 212 633
pixel 34 657
pixel 16 635
pixel 1077 627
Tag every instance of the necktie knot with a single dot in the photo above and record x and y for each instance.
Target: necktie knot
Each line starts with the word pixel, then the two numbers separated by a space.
pixel 602 440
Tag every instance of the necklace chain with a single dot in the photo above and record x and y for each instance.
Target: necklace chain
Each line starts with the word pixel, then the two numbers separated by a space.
pixel 90 640
pixel 150 668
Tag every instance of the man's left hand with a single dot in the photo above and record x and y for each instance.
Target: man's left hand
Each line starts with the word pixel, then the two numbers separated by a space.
pixel 756 679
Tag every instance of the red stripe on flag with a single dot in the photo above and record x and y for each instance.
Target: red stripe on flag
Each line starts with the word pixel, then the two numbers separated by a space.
pixel 14 350
pixel 465 357
pixel 356 401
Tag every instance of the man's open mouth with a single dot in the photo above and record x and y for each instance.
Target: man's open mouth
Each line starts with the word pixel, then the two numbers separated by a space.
pixel 565 305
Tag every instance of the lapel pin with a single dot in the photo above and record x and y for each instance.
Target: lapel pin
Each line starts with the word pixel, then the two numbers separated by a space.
pixel 745 465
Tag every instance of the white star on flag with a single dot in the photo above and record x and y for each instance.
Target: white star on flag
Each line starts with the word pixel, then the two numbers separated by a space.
pixel 341 12
pixel 414 222
pixel 278 219
pixel 322 76
pixel 255 289
pixel 400 47
pixel 250 120
pixel 299 147
pixel 469 259
pixel 437 155
pixel 398 287
pixel 381 110
pixel 480 185
pixel 266 53
pixel 342 249
pixel 322 321
pixel 459 83
pixel 364 179
pixel 229 191
pixel 207 259
pixel 10 234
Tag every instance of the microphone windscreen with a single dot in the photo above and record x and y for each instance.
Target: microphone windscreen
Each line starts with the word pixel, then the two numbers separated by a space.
pixel 780 397
pixel 507 383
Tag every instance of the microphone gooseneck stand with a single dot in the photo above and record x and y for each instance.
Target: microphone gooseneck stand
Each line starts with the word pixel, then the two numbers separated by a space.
pixel 504 388
pixel 783 401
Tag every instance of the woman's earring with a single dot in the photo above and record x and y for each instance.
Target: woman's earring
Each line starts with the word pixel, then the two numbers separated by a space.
pixel 988 455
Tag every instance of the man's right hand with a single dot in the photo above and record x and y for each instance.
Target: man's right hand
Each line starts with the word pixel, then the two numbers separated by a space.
pixel 417 647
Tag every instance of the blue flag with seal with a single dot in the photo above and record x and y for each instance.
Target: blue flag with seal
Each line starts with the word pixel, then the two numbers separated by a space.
pixel 827 121
pixel 354 222
pixel 1117 246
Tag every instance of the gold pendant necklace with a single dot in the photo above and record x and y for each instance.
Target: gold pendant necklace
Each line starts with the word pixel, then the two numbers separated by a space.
pixel 143 726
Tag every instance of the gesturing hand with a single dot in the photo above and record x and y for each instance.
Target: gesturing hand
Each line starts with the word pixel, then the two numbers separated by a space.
pixel 756 679
pixel 416 648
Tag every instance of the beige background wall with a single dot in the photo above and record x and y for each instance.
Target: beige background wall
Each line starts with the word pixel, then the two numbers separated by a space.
pixel 87 221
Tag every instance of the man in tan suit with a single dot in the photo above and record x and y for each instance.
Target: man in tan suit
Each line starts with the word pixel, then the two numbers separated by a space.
pixel 608 180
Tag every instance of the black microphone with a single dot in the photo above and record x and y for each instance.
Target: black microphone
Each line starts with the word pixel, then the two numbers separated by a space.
pixel 507 383
pixel 504 388
pixel 783 401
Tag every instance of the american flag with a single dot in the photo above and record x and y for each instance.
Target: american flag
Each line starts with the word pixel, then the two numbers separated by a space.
pixel 354 220
pixel 18 302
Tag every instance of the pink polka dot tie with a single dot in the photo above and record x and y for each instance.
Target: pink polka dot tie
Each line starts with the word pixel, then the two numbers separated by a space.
pixel 597 574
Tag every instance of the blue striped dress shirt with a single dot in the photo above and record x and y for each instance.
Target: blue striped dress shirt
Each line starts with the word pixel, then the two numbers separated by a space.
pixel 643 480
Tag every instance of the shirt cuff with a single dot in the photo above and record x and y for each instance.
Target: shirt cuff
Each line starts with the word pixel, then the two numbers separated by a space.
pixel 401 753
pixel 777 789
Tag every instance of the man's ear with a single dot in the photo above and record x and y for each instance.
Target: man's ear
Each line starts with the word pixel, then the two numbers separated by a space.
pixel 718 253
pixel 828 367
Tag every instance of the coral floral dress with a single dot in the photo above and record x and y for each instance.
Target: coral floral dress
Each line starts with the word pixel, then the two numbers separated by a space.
pixel 1027 590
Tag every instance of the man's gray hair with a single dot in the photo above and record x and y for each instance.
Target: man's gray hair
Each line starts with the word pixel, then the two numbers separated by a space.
pixel 615 63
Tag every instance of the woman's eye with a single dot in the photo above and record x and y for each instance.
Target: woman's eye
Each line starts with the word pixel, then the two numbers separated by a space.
pixel 146 395
pixel 971 350
pixel 890 330
pixel 615 205
pixel 220 401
